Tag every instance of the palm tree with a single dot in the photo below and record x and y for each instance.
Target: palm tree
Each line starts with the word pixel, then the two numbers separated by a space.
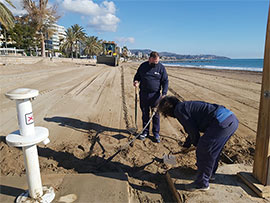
pixel 67 45
pixel 79 35
pixel 42 17
pixel 6 17
pixel 93 46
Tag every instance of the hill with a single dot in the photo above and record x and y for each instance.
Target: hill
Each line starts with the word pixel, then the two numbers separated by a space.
pixel 179 56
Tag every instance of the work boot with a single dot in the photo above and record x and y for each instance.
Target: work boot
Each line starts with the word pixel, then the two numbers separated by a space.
pixel 194 187
pixel 143 136
pixel 157 138
pixel 212 178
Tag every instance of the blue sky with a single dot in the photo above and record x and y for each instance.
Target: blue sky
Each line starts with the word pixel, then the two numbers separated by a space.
pixel 229 28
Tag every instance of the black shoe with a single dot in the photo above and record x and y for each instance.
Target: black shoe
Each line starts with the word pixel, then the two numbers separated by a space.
pixel 194 187
pixel 157 138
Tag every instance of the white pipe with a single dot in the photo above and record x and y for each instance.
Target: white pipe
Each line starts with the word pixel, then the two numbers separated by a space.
pixel 25 117
pixel 28 137
pixel 32 171
pixel 27 128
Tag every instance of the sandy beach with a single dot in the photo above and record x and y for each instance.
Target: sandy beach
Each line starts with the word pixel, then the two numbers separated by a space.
pixel 89 111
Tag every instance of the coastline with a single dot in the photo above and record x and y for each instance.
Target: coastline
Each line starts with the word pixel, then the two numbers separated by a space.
pixel 215 70
pixel 255 65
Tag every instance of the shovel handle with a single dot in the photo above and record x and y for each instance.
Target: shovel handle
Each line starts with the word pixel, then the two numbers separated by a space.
pixel 136 90
pixel 136 105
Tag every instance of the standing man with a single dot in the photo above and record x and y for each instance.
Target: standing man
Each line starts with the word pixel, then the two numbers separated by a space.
pixel 216 122
pixel 151 77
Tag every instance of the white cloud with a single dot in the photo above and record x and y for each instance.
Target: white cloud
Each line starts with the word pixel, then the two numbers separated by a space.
pixel 124 40
pixel 82 6
pixel 104 23
pixel 100 16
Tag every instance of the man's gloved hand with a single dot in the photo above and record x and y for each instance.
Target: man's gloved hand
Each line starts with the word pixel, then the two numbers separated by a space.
pixel 136 83
pixel 154 109
pixel 185 150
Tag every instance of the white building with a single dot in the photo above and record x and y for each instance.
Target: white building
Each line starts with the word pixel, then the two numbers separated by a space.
pixel 55 40
pixel 1 40
pixel 140 54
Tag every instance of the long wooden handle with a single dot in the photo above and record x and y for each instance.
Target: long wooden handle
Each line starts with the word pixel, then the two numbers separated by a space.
pixel 176 196
pixel 136 106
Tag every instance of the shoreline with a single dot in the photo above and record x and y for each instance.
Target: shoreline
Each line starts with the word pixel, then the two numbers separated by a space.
pixel 215 70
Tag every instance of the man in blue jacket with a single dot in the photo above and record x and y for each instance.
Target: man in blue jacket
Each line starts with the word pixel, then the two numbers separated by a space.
pixel 151 77
pixel 216 122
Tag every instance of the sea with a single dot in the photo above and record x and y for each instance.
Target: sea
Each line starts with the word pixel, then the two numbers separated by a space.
pixel 225 64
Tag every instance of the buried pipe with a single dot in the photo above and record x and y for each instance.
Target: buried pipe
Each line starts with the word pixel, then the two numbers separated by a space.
pixel 27 137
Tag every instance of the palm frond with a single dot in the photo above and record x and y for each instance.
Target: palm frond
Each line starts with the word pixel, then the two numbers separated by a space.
pixel 6 17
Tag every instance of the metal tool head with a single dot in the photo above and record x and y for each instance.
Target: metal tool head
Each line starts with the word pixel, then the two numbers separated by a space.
pixel 132 131
pixel 169 159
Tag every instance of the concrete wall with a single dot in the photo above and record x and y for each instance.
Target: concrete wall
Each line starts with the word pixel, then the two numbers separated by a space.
pixel 5 60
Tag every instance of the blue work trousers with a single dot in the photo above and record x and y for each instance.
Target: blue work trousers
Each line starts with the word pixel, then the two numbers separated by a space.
pixel 147 102
pixel 210 146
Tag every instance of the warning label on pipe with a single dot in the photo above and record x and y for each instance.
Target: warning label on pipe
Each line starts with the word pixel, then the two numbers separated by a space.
pixel 29 118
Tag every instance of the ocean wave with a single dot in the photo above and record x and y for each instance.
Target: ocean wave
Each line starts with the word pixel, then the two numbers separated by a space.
pixel 217 67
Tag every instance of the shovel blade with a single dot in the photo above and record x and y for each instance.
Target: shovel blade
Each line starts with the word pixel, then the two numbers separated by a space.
pixel 169 159
pixel 132 131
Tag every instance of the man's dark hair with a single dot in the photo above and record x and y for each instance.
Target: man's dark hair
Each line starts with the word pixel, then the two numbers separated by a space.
pixel 154 54
pixel 167 105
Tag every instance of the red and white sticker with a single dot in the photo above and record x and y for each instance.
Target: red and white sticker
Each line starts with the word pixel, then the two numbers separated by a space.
pixel 29 118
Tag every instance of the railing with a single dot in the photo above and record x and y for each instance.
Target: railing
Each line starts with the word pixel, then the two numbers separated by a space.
pixel 6 51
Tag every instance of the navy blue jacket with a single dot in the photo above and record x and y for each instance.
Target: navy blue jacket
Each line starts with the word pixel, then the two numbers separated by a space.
pixel 152 78
pixel 195 117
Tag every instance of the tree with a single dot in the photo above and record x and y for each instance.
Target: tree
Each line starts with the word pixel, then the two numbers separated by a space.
pixel 79 36
pixel 23 34
pixel 93 46
pixel 42 18
pixel 67 45
pixel 6 17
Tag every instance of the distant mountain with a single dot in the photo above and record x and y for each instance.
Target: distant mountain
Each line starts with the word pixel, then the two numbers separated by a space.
pixel 179 56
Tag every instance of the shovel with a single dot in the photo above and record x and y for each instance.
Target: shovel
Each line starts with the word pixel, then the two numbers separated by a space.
pixel 169 159
pixel 136 106
pixel 127 144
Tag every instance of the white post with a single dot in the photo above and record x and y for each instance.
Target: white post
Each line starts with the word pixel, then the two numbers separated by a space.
pixel 32 171
pixel 27 128
pixel 25 117
pixel 27 137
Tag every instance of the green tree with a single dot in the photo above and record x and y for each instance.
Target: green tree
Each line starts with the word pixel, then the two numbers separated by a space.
pixel 67 45
pixel 79 36
pixel 23 34
pixel 93 46
pixel 42 18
